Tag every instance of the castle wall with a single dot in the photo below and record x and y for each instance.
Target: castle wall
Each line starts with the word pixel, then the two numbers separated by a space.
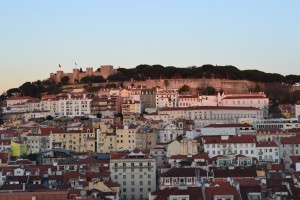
pixel 218 84
pixel 106 70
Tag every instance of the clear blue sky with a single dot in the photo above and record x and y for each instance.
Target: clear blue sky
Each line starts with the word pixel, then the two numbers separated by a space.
pixel 36 36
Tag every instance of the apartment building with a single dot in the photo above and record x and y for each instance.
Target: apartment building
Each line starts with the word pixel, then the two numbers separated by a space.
pixel 135 172
pixel 80 140
pixel 166 98
pixel 230 145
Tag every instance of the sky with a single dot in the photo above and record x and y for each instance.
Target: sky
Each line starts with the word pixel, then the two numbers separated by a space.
pixel 36 36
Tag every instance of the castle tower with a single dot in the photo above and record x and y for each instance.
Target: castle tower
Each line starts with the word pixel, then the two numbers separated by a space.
pixel 89 71
pixel 75 75
pixel 59 75
pixel 106 70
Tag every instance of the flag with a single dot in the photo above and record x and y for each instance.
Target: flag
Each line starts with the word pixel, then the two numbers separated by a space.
pixel 59 66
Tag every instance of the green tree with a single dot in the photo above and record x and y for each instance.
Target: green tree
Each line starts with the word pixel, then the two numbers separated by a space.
pixel 49 117
pixel 65 80
pixel 185 88
pixel 166 83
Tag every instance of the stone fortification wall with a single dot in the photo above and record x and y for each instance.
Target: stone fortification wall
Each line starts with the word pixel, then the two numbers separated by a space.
pixel 218 84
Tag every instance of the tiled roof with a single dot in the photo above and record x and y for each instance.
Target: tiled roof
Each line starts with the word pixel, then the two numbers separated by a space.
pixel 228 125
pixel 211 192
pixel 273 166
pixel 266 144
pixel 209 108
pixel 231 139
pixel 182 172
pixel 290 140
pixel 236 172
pixel 295 159
pixel 5 142
pixel 20 98
pixel 193 192
pixel 245 97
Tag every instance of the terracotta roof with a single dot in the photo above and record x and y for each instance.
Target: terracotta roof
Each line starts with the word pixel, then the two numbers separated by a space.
pixel 5 142
pixel 111 184
pixel 209 108
pixel 273 166
pixel 20 98
pixel 211 192
pixel 295 159
pixel 248 181
pixel 193 192
pixel 290 140
pixel 266 144
pixel 231 139
pixel 245 97
pixel 236 172
pixel 182 172
pixel 228 125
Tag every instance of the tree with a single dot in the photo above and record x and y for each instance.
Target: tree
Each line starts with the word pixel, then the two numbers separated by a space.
pixel 166 83
pixel 111 85
pixel 65 80
pixel 49 118
pixel 93 79
pixel 185 88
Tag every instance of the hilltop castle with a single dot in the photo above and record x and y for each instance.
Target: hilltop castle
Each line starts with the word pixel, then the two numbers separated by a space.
pixel 76 75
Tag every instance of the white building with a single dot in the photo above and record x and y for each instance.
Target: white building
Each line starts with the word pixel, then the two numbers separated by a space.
pixel 135 172
pixel 17 100
pixel 230 145
pixel 37 114
pixel 74 105
pixel 256 99
pixel 267 152
pixel 297 110
pixel 205 115
pixel 169 133
pixel 166 98
pixel 281 123
pixel 227 129
pixel 188 100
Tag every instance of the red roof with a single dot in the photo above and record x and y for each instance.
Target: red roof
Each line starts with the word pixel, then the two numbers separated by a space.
pixel 20 98
pixel 266 144
pixel 295 159
pixel 231 139
pixel 209 108
pixel 228 125
pixel 5 142
pixel 245 97
pixel 290 140
pixel 211 192
pixel 193 192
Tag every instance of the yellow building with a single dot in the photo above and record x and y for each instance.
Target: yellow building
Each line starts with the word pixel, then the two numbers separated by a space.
pixel 18 148
pixel 106 137
pixel 127 138
pixel 80 140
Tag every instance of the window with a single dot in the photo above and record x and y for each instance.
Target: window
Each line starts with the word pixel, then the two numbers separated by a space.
pixel 132 176
pixel 141 189
pixel 124 182
pixel 132 189
pixel 116 176
pixel 124 176
pixel 149 175
pixel 167 180
pixel 149 182
pixel 124 189
pixel 132 182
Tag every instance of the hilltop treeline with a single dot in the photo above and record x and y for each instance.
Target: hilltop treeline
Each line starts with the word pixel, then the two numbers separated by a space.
pixel 142 72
